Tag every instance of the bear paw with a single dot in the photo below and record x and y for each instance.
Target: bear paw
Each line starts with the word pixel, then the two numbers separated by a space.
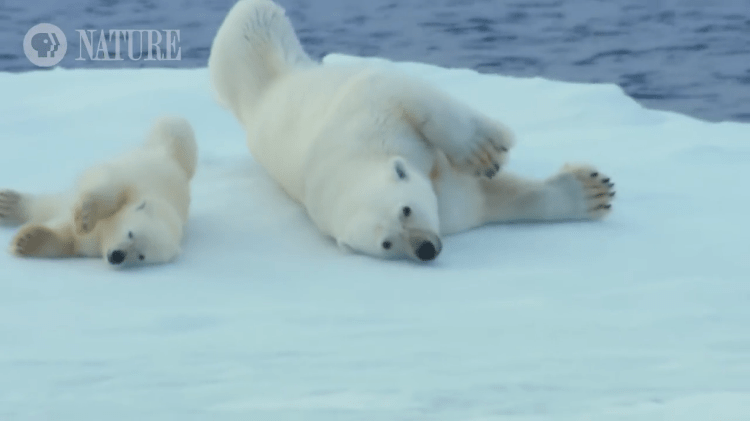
pixel 30 241
pixel 11 210
pixel 485 152
pixel 86 216
pixel 598 189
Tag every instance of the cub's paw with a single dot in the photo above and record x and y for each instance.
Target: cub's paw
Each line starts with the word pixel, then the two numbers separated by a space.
pixel 86 215
pixel 485 151
pixel 11 209
pixel 33 241
pixel 598 189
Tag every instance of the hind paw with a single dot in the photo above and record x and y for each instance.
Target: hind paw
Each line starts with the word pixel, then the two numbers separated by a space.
pixel 598 189
pixel 11 209
pixel 31 241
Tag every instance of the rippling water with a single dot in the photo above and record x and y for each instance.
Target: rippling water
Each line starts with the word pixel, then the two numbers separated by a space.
pixel 691 56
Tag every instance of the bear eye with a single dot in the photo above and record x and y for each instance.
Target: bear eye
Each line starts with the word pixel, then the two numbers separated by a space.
pixel 130 234
pixel 387 244
pixel 141 257
pixel 400 171
pixel 406 210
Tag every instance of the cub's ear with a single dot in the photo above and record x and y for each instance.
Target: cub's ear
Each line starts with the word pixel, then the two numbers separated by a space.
pixel 399 168
pixel 141 206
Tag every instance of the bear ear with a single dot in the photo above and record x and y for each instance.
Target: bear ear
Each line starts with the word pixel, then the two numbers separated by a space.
pixel 141 206
pixel 399 168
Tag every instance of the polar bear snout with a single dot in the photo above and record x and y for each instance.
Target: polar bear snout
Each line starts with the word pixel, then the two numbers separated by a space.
pixel 426 251
pixel 424 246
pixel 116 257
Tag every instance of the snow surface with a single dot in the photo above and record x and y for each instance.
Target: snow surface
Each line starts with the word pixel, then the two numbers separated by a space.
pixel 643 316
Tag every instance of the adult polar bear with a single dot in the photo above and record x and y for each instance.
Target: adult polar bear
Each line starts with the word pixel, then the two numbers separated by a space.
pixel 132 209
pixel 382 162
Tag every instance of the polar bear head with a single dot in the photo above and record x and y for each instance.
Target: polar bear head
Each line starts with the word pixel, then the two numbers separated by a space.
pixel 389 211
pixel 147 232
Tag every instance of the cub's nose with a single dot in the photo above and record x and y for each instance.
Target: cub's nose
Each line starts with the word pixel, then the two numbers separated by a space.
pixel 116 257
pixel 426 251
pixel 423 245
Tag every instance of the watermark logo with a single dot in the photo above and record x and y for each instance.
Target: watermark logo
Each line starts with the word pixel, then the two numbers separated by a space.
pixel 45 45
pixel 149 44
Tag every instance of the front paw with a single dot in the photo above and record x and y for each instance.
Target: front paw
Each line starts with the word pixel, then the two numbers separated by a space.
pixel 486 151
pixel 86 216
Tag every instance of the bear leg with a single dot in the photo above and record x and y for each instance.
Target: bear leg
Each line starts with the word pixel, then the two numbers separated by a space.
pixel 12 210
pixel 96 205
pixel 41 241
pixel 575 193
pixel 473 142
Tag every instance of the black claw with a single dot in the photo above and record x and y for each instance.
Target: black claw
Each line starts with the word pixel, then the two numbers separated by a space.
pixel 599 195
pixel 605 181
pixel 489 173
pixel 504 149
pixel 612 194
pixel 604 206
pixel 594 174
pixel 497 166
pixel 610 185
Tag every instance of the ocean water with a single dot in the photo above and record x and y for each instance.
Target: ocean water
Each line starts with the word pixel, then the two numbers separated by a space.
pixel 689 56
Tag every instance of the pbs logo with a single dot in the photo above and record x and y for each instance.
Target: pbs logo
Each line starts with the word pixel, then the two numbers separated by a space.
pixel 45 45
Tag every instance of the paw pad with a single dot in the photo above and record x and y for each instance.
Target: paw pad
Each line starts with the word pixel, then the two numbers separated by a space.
pixel 485 151
pixel 598 190
pixel 30 241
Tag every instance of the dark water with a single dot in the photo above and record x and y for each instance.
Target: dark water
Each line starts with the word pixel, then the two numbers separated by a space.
pixel 691 56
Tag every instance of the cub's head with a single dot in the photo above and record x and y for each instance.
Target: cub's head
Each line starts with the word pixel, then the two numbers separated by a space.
pixel 391 212
pixel 148 232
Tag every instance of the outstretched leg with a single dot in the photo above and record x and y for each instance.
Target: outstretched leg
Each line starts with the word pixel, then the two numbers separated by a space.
pixel 472 141
pixel 42 241
pixel 19 208
pixel 575 193
pixel 12 209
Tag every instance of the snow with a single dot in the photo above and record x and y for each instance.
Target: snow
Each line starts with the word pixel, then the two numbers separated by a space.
pixel 643 316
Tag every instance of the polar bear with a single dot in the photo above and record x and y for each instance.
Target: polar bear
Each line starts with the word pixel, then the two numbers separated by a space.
pixel 131 210
pixel 384 163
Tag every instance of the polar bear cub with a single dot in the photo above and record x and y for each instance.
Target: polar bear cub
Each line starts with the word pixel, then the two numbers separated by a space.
pixel 131 210
pixel 383 162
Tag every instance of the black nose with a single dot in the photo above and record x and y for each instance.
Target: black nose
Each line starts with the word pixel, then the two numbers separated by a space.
pixel 426 251
pixel 116 257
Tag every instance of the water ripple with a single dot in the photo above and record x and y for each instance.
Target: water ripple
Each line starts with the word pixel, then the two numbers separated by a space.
pixel 690 56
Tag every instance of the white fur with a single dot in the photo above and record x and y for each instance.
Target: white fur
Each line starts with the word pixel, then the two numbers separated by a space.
pixel 136 204
pixel 357 144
